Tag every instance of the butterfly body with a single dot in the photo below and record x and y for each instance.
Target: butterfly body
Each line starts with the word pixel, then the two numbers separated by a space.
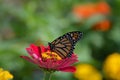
pixel 64 45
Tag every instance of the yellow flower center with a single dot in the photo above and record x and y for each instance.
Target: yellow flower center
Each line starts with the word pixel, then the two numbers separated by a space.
pixel 51 55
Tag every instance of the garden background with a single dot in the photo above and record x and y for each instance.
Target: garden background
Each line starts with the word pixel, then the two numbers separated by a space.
pixel 23 22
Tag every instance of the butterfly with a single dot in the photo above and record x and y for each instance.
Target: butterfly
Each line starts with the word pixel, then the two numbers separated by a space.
pixel 64 45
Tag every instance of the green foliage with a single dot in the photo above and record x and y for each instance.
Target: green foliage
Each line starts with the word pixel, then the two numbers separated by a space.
pixel 25 21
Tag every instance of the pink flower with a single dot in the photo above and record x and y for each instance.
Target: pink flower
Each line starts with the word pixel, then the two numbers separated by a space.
pixel 49 61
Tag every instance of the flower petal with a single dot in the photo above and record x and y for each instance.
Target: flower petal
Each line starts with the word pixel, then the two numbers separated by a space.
pixel 29 59
pixel 68 61
pixel 29 50
pixel 34 51
pixel 43 48
pixel 68 69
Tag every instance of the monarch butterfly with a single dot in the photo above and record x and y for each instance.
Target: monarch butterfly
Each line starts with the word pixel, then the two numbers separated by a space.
pixel 64 45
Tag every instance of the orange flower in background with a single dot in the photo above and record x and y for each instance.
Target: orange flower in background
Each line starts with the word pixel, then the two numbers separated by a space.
pixel 103 8
pixel 90 9
pixel 84 11
pixel 111 67
pixel 102 26
pixel 87 72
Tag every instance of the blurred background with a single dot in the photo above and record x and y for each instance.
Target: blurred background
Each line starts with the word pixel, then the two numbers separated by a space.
pixel 23 22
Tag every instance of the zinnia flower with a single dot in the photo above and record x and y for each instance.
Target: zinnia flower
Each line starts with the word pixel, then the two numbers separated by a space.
pixel 84 10
pixel 87 72
pixel 102 25
pixel 111 66
pixel 90 9
pixel 103 8
pixel 5 75
pixel 49 61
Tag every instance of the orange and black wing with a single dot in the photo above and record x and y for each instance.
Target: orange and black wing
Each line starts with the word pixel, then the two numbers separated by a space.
pixel 64 45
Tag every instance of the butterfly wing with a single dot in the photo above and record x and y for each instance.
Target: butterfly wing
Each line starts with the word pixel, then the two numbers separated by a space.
pixel 64 45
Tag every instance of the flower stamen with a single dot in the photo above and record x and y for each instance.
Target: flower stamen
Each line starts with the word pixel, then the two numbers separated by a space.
pixel 50 55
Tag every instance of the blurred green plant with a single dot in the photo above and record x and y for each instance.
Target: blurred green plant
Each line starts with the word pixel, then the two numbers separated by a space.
pixel 25 21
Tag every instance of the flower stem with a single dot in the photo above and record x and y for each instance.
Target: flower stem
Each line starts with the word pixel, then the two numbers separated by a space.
pixel 47 76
